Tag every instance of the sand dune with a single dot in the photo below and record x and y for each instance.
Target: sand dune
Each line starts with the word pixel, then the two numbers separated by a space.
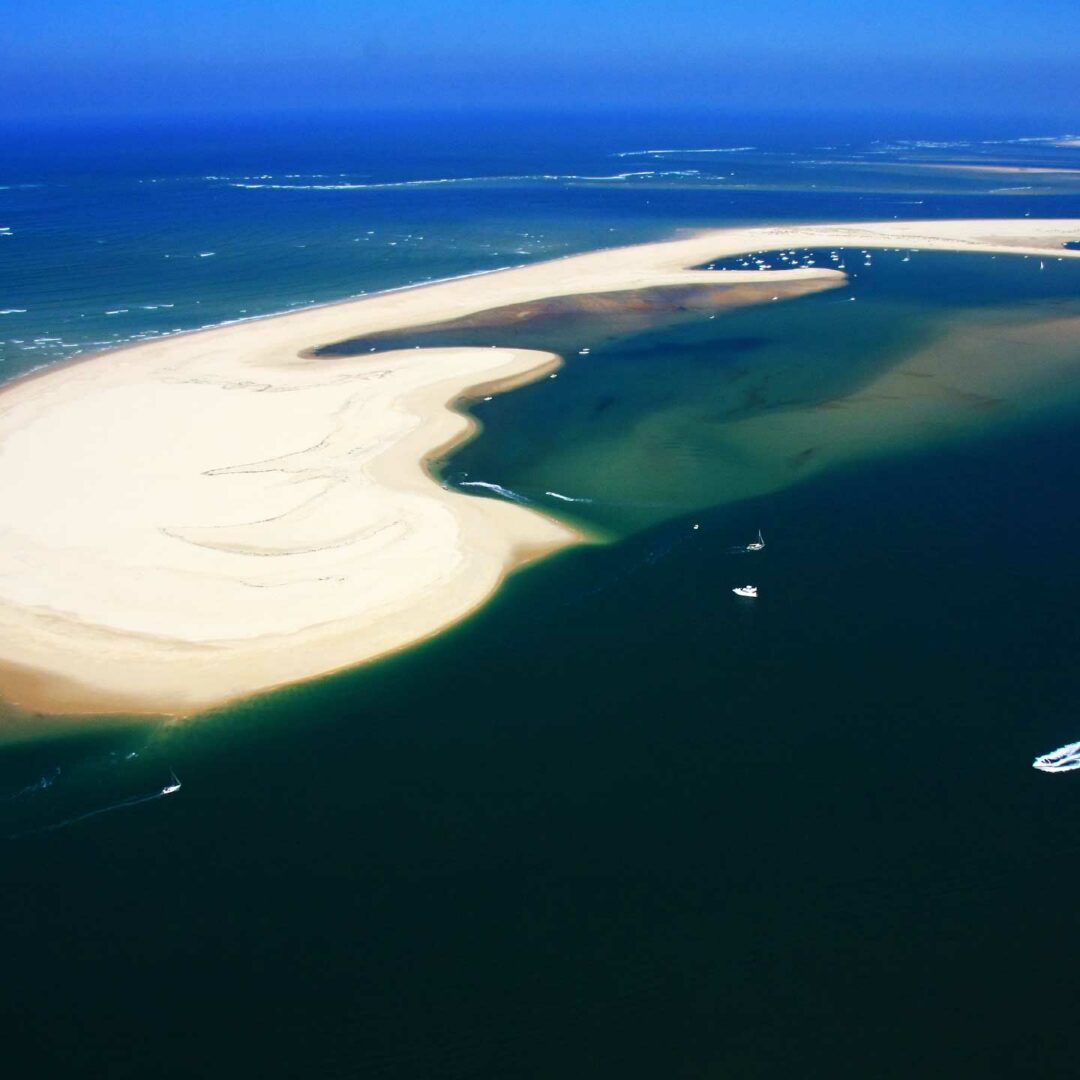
pixel 209 515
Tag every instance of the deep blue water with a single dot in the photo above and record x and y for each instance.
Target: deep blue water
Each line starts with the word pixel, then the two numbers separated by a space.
pixel 619 823
pixel 120 231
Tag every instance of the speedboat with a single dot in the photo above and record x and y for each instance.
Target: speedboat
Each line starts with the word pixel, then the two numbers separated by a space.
pixel 1065 759
pixel 746 590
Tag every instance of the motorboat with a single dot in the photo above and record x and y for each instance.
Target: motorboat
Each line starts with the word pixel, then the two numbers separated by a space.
pixel 1065 759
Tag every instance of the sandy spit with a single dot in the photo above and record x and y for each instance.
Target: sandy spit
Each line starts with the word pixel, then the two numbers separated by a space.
pixel 206 516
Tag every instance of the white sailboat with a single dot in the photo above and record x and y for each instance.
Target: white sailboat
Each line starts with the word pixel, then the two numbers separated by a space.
pixel 171 788
pixel 758 544
pixel 746 590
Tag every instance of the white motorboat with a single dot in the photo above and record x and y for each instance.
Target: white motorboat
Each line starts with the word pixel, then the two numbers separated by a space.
pixel 1065 759
pixel 746 590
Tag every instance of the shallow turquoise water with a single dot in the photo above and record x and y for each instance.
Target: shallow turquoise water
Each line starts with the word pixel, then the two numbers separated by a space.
pixel 735 404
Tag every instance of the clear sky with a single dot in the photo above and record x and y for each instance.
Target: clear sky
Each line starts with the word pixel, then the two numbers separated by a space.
pixel 60 57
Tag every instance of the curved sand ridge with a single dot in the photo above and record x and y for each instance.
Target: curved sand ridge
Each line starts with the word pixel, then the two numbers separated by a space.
pixel 209 515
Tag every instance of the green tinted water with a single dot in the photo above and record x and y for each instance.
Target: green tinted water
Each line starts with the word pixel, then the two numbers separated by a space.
pixel 621 823
pixel 731 405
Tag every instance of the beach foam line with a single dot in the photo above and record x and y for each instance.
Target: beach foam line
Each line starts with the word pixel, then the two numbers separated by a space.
pixel 259 516
pixel 699 150
pixel 270 184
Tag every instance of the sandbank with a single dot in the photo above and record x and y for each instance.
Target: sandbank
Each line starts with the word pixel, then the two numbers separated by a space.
pixel 210 515
pixel 1025 169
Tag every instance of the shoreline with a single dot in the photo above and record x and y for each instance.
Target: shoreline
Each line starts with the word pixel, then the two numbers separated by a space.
pixel 207 515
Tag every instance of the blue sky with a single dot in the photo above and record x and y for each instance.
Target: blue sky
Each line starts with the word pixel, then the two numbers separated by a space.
pixel 62 57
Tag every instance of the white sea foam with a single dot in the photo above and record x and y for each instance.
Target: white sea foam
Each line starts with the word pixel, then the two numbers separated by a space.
pixel 348 185
pixel 271 184
pixel 927 144
pixel 1064 759
pixel 506 493
pixel 698 150
pixel 119 340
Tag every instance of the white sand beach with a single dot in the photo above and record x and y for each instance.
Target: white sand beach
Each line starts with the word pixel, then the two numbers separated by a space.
pixel 209 515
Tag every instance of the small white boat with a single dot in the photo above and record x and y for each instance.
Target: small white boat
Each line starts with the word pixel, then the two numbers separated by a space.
pixel 583 352
pixel 746 590
pixel 174 787
pixel 758 544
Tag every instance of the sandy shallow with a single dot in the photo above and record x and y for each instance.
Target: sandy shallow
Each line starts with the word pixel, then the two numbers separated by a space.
pixel 964 167
pixel 205 516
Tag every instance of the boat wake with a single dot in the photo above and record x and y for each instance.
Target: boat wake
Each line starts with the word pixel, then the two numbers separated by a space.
pixel 1064 759
pixel 567 498
pixel 170 788
pixel 43 784
pixel 506 493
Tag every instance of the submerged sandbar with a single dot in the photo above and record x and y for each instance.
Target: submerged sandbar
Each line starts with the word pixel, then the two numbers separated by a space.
pixel 210 515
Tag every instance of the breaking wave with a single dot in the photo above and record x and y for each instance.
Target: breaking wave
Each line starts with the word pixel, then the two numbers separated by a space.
pixel 269 183
pixel 699 150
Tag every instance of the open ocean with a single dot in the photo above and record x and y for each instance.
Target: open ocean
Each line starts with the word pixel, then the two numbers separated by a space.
pixel 619 823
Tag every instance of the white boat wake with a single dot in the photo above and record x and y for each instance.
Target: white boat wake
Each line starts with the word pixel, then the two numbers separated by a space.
pixel 506 493
pixel 136 800
pixel 566 498
pixel 43 784
pixel 1065 759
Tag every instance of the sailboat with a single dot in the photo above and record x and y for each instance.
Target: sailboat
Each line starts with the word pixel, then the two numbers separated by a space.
pixel 172 788
pixel 746 590
pixel 758 544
